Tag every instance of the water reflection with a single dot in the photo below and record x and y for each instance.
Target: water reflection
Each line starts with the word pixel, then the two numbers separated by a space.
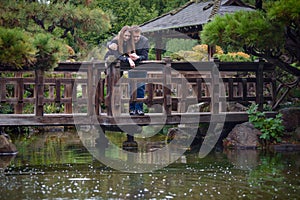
pixel 149 156
pixel 57 166
pixel 5 161
pixel 246 159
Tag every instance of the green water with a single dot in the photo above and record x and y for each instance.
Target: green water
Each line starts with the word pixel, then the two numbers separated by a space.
pixel 58 166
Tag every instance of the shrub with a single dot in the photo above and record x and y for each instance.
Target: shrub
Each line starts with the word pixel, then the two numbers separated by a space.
pixel 271 128
pixel 233 57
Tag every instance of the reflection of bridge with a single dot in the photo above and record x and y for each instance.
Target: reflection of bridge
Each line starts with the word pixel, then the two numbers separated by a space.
pixel 96 94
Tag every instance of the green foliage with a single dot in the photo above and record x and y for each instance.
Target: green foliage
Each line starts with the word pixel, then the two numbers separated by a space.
pixel 179 45
pixel 272 34
pixel 188 56
pixel 286 12
pixel 126 12
pixel 234 57
pixel 6 108
pixel 271 128
pixel 53 108
pixel 48 51
pixel 28 108
pixel 16 49
pixel 20 49
pixel 76 23
pixel 243 28
pixel 163 6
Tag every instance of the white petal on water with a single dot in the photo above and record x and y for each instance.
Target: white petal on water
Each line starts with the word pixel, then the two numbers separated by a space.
pixel 79 179
pixel 169 197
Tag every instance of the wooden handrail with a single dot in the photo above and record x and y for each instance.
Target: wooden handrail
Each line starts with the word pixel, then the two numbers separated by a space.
pixel 98 78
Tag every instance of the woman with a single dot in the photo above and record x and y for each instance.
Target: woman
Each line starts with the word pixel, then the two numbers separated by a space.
pixel 125 46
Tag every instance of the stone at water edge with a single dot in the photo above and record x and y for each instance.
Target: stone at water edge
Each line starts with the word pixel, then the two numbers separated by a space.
pixel 291 118
pixel 6 147
pixel 242 136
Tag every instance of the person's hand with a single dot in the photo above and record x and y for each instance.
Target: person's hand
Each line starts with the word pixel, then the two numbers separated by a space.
pixel 131 63
pixel 113 46
pixel 133 56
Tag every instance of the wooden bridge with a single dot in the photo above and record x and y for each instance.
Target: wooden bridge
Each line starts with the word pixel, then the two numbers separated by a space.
pixel 95 93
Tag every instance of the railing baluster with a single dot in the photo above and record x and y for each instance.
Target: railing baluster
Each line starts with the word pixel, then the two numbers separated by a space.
pixel 91 92
pixel 19 93
pixel 167 86
pixel 260 85
pixel 39 88
pixel 215 88
pixel 111 80
pixel 68 94
pixel 245 89
pixel 230 89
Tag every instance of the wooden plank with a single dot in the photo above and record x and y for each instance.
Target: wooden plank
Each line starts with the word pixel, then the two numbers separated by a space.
pixel 124 119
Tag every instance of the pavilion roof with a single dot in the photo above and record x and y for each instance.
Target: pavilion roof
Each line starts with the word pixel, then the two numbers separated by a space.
pixel 194 13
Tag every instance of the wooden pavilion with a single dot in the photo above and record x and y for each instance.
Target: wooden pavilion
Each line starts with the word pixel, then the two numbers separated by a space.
pixel 189 20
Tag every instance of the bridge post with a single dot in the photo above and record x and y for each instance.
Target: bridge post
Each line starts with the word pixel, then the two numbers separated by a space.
pixel 215 88
pixel 260 85
pixel 117 90
pixel 39 92
pixel 167 86
pixel 113 74
pixel 68 93
pixel 97 85
pixel 19 90
pixel 91 90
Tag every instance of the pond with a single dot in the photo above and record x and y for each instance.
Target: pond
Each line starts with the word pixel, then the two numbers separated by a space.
pixel 56 165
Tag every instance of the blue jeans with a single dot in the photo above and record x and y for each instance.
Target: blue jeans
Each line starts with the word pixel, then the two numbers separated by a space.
pixel 140 93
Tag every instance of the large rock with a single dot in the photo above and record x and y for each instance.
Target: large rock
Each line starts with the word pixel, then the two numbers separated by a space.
pixel 5 161
pixel 291 118
pixel 6 147
pixel 242 136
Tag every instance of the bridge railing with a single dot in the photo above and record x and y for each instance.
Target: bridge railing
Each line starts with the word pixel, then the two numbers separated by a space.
pixel 98 88
pixel 175 85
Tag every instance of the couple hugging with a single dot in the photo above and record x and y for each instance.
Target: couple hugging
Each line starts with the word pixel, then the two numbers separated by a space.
pixel 130 46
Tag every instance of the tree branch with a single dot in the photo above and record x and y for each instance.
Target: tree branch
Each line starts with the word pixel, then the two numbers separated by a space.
pixel 38 22
pixel 274 59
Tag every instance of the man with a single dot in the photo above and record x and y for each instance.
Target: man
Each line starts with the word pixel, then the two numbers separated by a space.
pixel 142 47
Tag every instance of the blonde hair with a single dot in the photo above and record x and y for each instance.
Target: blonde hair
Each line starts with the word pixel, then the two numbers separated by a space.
pixel 136 29
pixel 130 43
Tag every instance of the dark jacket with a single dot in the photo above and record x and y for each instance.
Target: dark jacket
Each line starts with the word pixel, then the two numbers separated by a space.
pixel 142 48
pixel 118 55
